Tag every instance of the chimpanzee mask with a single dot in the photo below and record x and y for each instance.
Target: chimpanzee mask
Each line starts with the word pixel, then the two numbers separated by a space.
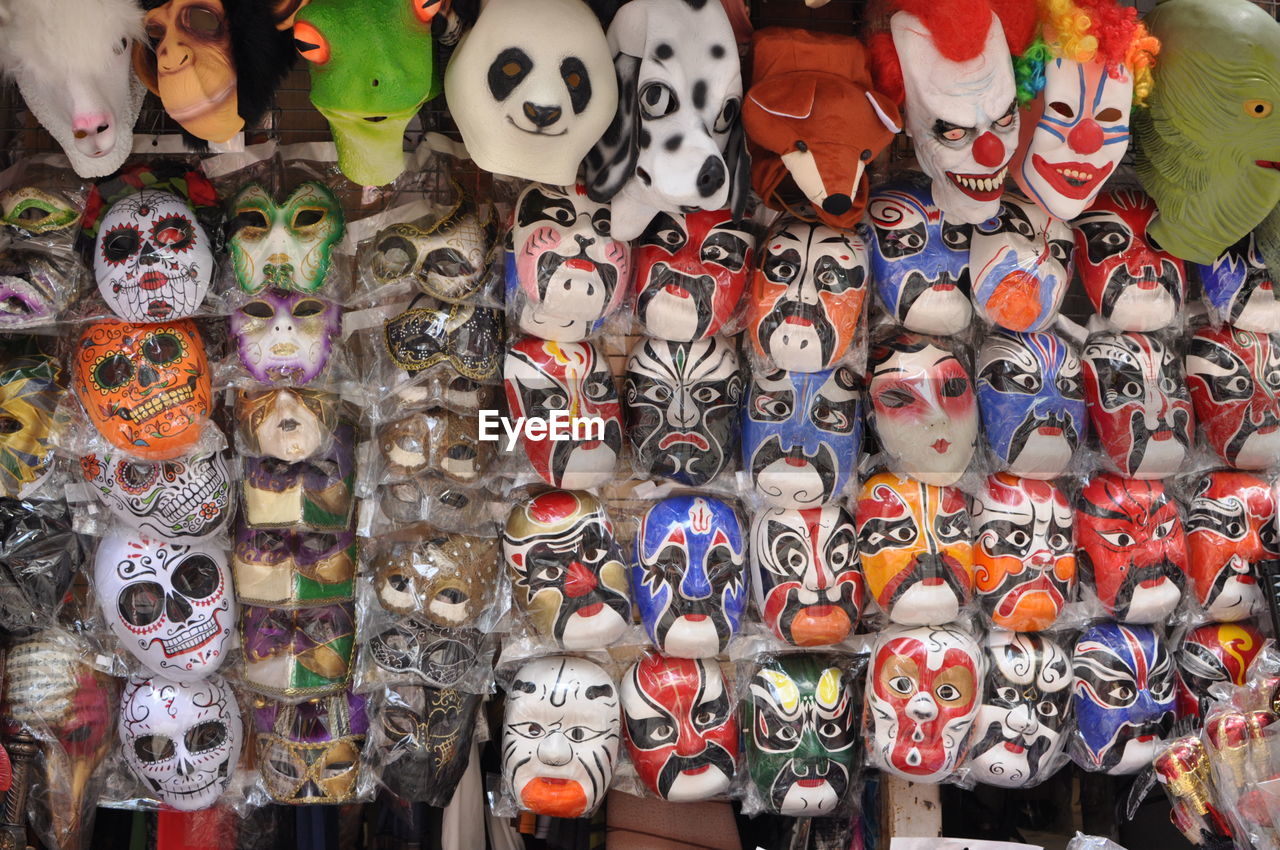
pixel 1021 263
pixel 310 751
pixel 285 337
pixel 424 740
pixel 1240 287
pixel 1211 654
pixel 290 567
pixel 29 392
pixel 447 579
pixel 1234 377
pixel 1231 528
pixel 305 652
pixel 283 246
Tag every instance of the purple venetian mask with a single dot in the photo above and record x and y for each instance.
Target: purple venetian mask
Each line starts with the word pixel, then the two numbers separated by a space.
pixel 301 653
pixel 285 337
pixel 310 752
pixel 317 492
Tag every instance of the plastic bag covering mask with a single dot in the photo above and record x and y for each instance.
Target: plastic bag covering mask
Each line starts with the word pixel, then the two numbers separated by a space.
pixel 418 652
pixel 466 339
pixel 301 653
pixel 560 736
pixel 1231 530
pixel 446 254
pixel 292 568
pixel 566 570
pixel 1240 287
pixel 1021 262
pixel 1234 376
pixel 285 337
pixel 310 752
pixel 447 443
pixel 172 606
pixel 29 392
pixel 182 740
pixel 425 736
pixel 1211 654
pixel 444 578
pixel 34 286
pixel 177 500
pixel 39 556
pixel 286 424
pixel 689 575
pixel 286 245
pixel 318 493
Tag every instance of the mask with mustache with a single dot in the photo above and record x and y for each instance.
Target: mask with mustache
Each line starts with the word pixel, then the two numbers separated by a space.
pixel 1234 376
pixel 1241 289
pixel 1231 531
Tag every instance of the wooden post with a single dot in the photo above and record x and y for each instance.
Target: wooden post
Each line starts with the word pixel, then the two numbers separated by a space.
pixel 909 809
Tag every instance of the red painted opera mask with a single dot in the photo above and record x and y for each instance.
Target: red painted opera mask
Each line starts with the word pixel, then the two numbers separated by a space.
pixel 1234 376
pixel 1230 529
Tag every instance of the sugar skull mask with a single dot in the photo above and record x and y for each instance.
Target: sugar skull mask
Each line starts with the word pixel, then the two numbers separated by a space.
pixel 1240 287
pixel 1231 528
pixel 1024 560
pixel 1138 403
pixel 688 575
pixel 923 693
pixel 285 337
pixel 801 435
pixel 1123 697
pixel 916 548
pixel 298 653
pixel 1021 263
pixel 1211 654
pixel 447 256
pixel 1234 376
pixel 318 493
pixel 171 606
pixel 923 408
pixel 413 651
pixel 805 573
pixel 181 739
pixel 424 741
pixel 545 379
pixel 680 726
pixel 287 245
pixel 465 339
pixel 682 401
pixel 560 736
pixel 177 500
pixel 289 567
pixel 691 270
pixel 146 388
pixel 1130 282
pixel 152 258
pixel 802 713
pixel 29 392
pixel 1132 549
pixel 919 262
pixel 447 579
pixel 566 570
pixel 310 751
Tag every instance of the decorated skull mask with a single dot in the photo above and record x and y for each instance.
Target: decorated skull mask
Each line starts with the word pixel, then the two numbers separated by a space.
pixel 424 738
pixel 285 337
pixel 29 392
pixel 152 259
pixel 447 256
pixel 682 401
pixel 283 246
pixel 1240 287
pixel 172 606
pixel 447 579
pixel 1021 264
pixel 688 576
pixel 310 751
pixel 293 567
pixel 1231 529
pixel 305 652
pixel 182 739
pixel 177 500
pixel 1212 654
pixel 1234 377
pixel 413 651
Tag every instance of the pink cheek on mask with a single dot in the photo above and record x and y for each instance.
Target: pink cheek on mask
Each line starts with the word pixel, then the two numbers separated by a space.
pixel 542 239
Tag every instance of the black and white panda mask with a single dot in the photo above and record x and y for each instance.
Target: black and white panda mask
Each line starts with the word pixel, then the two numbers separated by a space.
pixel 532 88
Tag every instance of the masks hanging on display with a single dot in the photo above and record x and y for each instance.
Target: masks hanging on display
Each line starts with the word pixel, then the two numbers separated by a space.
pixel 923 695
pixel 286 567
pixel 286 424
pixel 1138 403
pixel 566 570
pixel 689 575
pixel 801 435
pixel 302 653
pixel 1239 286
pixel 172 606
pixel 443 442
pixel 444 578
pixel 40 554
pixel 467 340
pixel 424 737
pixel 1231 528
pixel 1215 653
pixel 1021 262
pixel 446 255
pixel 1123 697
pixel 805 574
pixel 560 736
pixel 1234 376
pixel 35 286
pixel 43 213
pixel 923 408
pixel 682 403
pixel 916 547
pixel 318 493
pixel 285 337
pixel 182 740
pixel 29 392
pixel 418 652
pixel 175 500
pixel 691 270
pixel 1020 730
pixel 310 751
pixel 444 503
pixel 287 245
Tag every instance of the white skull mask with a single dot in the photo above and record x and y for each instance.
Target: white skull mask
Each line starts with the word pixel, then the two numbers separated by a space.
pixel 171 606
pixel 152 258
pixel 177 500
pixel 182 739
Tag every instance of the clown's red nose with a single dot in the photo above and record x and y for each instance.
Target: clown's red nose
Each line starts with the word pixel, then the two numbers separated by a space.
pixel 1085 137
pixel 580 581
pixel 988 150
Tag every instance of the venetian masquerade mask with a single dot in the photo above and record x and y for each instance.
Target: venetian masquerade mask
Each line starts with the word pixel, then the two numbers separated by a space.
pixel 416 652
pixel 447 579
pixel 566 570
pixel 467 339
pixel 1021 265
pixel 560 736
pixel 1234 376
pixel 182 740
pixel 446 504
pixel 688 576
pixel 318 493
pixel 1240 287
pixel 285 337
pixel 691 269
pixel 286 424
pixel 283 246
pixel 34 286
pixel 424 737
pixel 1132 549
pixel 1123 697
pixel 443 442
pixel 301 653
pixel 171 606
pixel 48 216
pixel 1211 654
pixel 1138 403
pixel 801 435
pixel 1231 528
pixel 682 402
pixel 287 567
pixel 310 751
pixel 923 694
pixel 446 255
pixel 176 500
pixel 29 392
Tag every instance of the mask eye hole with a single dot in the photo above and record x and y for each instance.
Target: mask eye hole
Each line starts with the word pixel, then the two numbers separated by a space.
pixel 311 45
pixel 256 219
pixel 657 100
pixel 1109 114
pixel 197 577
pixel 258 310
pixel 162 348
pixel 203 21
pixel 120 243
pixel 174 232
pixel 307 217
pixel 1062 109
pixel 141 604
pixel 1257 108
pixel 307 308
pixel 205 736
pixel 9 425
pixel 113 372
pixel 153 748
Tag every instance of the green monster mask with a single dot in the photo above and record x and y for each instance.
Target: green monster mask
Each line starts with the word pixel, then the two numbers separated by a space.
pixel 1208 145
pixel 286 246
pixel 801 724
pixel 372 68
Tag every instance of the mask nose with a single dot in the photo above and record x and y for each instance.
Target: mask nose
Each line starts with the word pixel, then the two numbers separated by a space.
pixel 1085 137
pixel 541 116
pixel 710 176
pixel 93 132
pixel 837 204
pixel 176 608
pixel 988 151
pixel 147 375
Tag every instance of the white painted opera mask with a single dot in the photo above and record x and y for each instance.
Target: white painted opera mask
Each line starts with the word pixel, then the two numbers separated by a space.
pixel 1020 262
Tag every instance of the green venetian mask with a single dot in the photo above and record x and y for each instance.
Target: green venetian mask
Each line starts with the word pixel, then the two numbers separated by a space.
pixel 303 652
pixel 36 212
pixel 286 246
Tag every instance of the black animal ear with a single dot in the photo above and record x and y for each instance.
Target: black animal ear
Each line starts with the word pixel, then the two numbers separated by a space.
pixel 738 164
pixel 612 161
pixel 605 10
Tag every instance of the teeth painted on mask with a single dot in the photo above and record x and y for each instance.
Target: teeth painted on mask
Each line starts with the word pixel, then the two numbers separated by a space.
pixel 190 639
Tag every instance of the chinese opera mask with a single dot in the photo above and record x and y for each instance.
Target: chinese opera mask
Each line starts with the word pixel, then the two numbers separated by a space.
pixel 1031 397
pixel 1231 528
pixel 1131 547
pixel 805 573
pixel 1211 654
pixel 560 736
pixel 802 713
pixel 1239 286
pixel 318 493
pixel 923 408
pixel 287 245
pixel 1123 697
pixel 1138 403
pixel 435 440
pixel 682 403
pixel 806 297
pixel 176 500
pixel 461 338
pixel 424 739
pixel 919 262
pixel 1234 376
pixel 1020 729
pixel 566 570
pixel 801 435
pixel 417 652
pixel 691 270
pixel 680 726
pixel 152 258
pixel 310 751
pixel 689 575
pixel 446 579
pixel 29 392
pixel 916 548
pixel 923 693
pixel 298 653
pixel 445 255
pixel 1021 262
pixel 1024 561
pixel 146 388
pixel 1130 282
pixel 285 337
pixel 172 606
pixel 287 567
pixel 545 379
pixel 181 739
